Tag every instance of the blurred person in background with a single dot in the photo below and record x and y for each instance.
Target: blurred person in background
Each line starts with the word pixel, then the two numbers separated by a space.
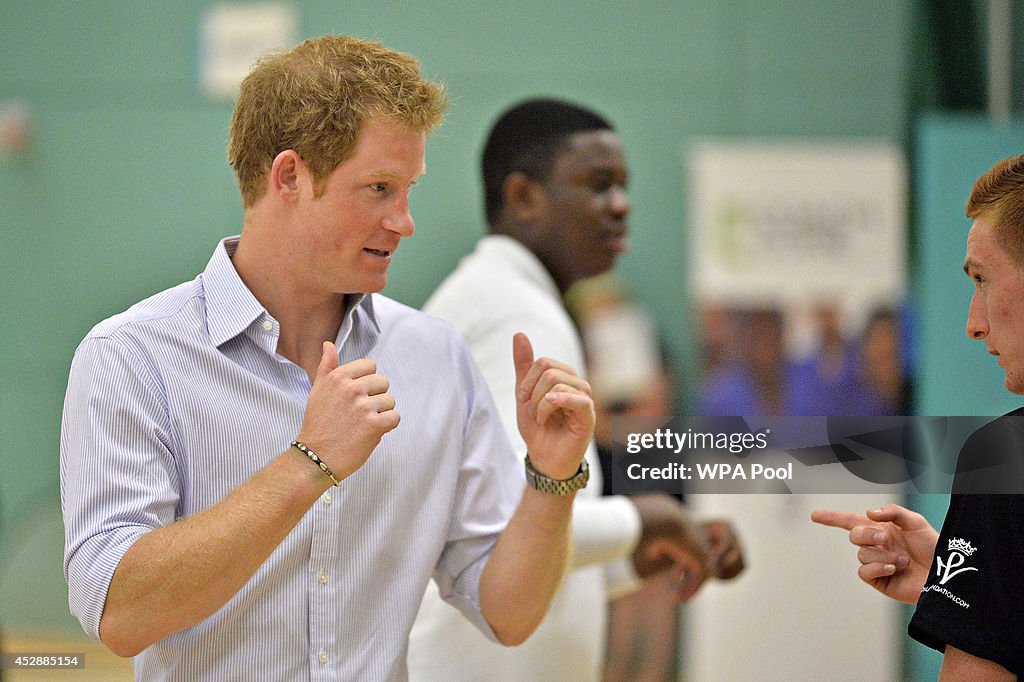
pixel 758 382
pixel 717 339
pixel 555 178
pixel 826 381
pixel 883 367
pixel 630 376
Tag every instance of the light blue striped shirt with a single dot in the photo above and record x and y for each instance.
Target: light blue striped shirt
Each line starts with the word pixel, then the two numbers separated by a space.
pixel 175 402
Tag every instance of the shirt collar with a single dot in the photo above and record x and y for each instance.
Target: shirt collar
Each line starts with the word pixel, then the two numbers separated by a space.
pixel 231 308
pixel 513 251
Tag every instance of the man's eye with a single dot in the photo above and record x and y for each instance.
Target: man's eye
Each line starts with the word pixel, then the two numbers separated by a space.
pixel 379 187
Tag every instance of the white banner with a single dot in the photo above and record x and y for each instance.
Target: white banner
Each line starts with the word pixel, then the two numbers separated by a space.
pixel 782 223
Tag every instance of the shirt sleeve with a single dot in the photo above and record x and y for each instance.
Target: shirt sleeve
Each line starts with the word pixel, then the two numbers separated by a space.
pixel 973 596
pixel 621 579
pixel 118 478
pixel 604 529
pixel 490 484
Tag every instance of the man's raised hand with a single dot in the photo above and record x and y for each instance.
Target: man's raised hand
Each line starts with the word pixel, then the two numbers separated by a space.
pixel 554 409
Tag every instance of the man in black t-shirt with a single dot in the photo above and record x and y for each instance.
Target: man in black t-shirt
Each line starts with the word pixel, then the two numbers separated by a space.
pixel 968 580
pixel 972 599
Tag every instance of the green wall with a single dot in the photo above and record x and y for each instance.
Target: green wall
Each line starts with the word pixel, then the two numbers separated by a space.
pixel 125 190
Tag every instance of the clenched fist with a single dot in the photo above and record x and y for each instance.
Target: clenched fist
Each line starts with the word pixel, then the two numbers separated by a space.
pixel 349 410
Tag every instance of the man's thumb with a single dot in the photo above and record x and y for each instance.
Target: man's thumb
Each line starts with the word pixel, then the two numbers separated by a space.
pixel 522 356
pixel 328 361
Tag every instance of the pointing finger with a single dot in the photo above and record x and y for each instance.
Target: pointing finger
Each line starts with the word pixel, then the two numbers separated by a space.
pixel 838 519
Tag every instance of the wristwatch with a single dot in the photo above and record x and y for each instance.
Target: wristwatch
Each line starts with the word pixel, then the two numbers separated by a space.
pixel 554 486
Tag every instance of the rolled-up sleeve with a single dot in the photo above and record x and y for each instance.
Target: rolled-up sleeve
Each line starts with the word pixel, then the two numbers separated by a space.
pixel 490 484
pixel 118 476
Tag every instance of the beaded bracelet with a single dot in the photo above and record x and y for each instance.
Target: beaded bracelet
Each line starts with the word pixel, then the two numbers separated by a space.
pixel 316 460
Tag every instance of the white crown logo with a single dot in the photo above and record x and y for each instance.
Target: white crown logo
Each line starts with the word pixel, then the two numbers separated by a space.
pixel 962 546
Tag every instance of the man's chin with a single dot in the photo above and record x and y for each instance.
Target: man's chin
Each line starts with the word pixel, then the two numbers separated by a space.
pixel 373 285
pixel 1014 384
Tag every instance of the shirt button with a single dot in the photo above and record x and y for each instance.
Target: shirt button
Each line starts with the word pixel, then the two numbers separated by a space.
pixel 323 656
pixel 327 498
pixel 322 577
pixel 268 325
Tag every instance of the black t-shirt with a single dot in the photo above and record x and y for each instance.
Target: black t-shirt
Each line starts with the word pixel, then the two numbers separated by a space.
pixel 974 596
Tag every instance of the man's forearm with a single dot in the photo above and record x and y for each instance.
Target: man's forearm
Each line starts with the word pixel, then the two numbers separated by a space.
pixel 526 566
pixel 177 576
pixel 960 665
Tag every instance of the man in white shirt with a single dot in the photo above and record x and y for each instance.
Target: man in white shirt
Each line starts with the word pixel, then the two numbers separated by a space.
pixel 555 190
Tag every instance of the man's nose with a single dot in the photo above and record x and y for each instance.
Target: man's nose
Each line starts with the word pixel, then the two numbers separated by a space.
pixel 977 321
pixel 619 202
pixel 400 219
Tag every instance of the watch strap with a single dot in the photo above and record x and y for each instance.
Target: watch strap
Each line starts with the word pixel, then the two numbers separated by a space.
pixel 554 486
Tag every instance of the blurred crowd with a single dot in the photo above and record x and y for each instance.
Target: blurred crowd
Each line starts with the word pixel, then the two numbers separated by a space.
pixel 749 366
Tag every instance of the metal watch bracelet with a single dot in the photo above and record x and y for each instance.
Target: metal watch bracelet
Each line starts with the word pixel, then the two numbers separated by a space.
pixel 554 486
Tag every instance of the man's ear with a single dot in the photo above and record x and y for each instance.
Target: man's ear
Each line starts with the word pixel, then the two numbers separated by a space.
pixel 284 175
pixel 524 198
